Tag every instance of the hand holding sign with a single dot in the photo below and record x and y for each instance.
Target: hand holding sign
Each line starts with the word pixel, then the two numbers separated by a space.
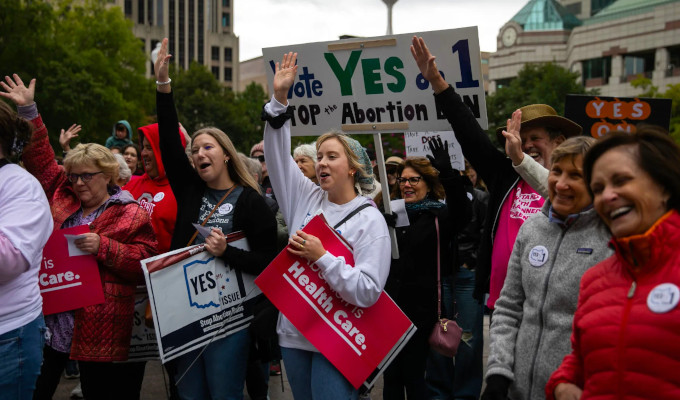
pixel 89 243
pixel 513 141
pixel 284 77
pixel 426 64
pixel 216 242
pixel 306 246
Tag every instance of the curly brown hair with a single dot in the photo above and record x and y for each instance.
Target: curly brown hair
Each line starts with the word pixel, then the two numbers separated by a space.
pixel 430 175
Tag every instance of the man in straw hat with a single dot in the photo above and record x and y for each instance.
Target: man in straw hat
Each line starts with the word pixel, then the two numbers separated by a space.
pixel 511 199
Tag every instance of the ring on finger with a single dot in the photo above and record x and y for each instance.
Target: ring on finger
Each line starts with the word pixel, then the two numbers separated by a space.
pixel 304 241
pixel 302 246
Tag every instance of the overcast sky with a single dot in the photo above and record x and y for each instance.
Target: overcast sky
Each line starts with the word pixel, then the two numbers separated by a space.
pixel 271 23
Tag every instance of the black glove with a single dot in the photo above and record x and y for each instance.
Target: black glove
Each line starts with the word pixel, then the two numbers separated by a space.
pixel 390 219
pixel 496 388
pixel 441 160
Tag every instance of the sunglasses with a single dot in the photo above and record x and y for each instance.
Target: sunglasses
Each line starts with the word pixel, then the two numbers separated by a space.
pixel 258 158
pixel 413 181
pixel 85 177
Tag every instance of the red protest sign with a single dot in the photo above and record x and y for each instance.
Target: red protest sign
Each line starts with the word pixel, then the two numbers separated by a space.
pixel 68 282
pixel 359 342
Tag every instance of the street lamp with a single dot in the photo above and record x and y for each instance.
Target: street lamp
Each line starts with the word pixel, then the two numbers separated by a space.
pixel 390 4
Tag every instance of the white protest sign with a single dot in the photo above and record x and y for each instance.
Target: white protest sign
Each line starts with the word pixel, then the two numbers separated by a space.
pixel 370 85
pixel 417 146
pixel 196 298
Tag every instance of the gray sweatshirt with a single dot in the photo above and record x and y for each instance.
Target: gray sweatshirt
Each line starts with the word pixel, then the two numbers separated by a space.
pixel 531 325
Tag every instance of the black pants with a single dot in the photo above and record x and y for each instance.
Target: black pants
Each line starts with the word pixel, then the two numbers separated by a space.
pixel 109 380
pixel 53 365
pixel 407 371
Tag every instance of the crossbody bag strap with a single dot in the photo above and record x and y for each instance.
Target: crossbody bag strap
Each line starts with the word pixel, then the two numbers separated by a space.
pixel 350 215
pixel 193 237
pixel 439 283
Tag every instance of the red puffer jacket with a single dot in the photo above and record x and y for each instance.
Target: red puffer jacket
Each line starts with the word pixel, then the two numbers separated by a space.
pixel 102 332
pixel 626 335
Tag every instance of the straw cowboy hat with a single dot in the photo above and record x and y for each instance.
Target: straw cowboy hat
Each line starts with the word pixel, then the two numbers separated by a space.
pixel 542 115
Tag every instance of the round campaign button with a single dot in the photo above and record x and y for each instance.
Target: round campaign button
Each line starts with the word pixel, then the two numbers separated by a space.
pixel 538 256
pixel 158 197
pixel 663 298
pixel 225 208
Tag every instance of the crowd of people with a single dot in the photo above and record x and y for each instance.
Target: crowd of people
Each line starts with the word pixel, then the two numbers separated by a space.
pixel 568 241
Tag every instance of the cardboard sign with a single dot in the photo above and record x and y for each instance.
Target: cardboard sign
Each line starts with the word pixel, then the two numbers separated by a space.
pixel 359 342
pixel 196 298
pixel 416 146
pixel 143 344
pixel 599 115
pixel 68 280
pixel 370 85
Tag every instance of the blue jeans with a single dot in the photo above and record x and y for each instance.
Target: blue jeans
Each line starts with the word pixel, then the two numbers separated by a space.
pixel 313 377
pixel 219 373
pixel 20 359
pixel 462 379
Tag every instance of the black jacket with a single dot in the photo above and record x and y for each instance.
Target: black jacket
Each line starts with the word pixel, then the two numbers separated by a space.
pixel 469 238
pixel 491 164
pixel 252 215
pixel 412 282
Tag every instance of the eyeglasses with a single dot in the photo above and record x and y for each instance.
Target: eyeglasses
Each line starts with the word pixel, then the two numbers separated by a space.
pixel 413 181
pixel 86 177
pixel 258 158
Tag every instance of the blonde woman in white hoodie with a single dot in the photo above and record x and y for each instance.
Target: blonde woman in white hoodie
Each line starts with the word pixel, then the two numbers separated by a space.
pixel 344 174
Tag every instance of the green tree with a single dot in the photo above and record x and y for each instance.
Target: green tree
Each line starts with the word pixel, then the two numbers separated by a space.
pixel 535 84
pixel 90 67
pixel 673 93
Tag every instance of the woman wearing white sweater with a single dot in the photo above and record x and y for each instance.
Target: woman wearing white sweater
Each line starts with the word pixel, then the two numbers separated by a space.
pixel 344 174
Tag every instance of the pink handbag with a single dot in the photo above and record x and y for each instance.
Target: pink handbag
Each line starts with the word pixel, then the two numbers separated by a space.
pixel 445 336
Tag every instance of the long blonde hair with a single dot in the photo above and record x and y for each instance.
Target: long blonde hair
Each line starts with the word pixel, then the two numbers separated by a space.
pixel 235 167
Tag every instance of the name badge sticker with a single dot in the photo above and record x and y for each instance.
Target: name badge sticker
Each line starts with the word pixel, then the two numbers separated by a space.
pixel 538 256
pixel 663 298
pixel 584 250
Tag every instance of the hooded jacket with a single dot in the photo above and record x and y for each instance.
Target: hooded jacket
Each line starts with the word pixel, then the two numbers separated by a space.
pixel 155 194
pixel 114 141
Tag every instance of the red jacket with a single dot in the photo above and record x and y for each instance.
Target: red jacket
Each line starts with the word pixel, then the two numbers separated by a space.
pixel 155 195
pixel 626 333
pixel 102 332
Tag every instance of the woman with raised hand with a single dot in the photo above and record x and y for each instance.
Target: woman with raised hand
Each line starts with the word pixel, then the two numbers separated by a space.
pixel 25 226
pixel 532 321
pixel 219 177
pixel 424 247
pixel 84 192
pixel 626 334
pixel 344 174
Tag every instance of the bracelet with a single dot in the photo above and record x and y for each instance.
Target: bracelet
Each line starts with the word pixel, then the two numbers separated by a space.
pixel 164 83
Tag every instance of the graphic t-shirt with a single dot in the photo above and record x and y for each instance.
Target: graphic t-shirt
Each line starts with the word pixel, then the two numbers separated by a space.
pixel 223 217
pixel 521 203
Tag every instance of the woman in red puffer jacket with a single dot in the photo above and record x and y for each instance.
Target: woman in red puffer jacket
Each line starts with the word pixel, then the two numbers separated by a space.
pixel 626 332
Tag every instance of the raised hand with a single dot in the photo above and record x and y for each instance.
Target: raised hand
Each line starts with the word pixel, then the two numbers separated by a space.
pixel 66 135
pixel 284 77
pixel 427 65
pixel 16 91
pixel 440 155
pixel 161 67
pixel 513 140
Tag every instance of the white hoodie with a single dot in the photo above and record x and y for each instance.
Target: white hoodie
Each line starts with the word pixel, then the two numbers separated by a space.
pixel 299 200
